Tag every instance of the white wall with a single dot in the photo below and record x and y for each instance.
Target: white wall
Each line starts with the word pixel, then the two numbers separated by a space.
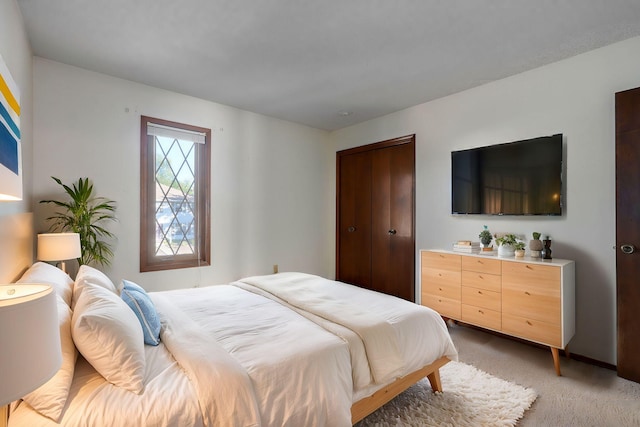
pixel 272 181
pixel 16 53
pixel 574 97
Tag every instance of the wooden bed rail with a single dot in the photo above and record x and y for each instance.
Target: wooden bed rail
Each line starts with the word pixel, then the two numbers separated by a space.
pixel 370 404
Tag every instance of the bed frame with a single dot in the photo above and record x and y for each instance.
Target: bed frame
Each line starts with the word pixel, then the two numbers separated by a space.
pixel 370 404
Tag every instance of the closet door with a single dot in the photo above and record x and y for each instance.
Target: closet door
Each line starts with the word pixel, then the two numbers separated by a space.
pixel 354 219
pixel 375 244
pixel 392 228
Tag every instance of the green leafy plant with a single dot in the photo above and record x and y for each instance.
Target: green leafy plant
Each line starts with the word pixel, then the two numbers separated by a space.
pixel 519 246
pixel 507 239
pixel 85 214
pixel 485 236
pixel 536 235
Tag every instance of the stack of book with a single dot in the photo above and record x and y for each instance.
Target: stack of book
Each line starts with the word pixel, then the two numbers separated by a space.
pixel 466 246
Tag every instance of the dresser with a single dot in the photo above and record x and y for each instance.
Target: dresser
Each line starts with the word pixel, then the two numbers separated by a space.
pixel 528 298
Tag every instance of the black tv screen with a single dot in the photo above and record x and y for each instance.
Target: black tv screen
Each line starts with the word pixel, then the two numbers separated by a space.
pixel 516 178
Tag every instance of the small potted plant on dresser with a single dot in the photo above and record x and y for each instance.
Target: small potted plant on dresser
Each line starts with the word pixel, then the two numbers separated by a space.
pixel 535 245
pixel 519 249
pixel 485 238
pixel 506 244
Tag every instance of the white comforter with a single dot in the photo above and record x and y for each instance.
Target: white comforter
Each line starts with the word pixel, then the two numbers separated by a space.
pixel 298 373
pixel 322 298
pixel 388 337
pixel 169 399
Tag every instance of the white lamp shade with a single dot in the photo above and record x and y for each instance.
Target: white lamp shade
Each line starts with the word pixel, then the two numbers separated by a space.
pixel 58 246
pixel 29 338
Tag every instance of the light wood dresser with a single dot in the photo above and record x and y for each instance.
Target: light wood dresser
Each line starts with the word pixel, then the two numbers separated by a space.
pixel 528 298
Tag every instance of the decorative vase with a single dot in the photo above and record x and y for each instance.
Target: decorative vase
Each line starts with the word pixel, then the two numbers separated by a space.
pixel 506 250
pixel 519 253
pixel 536 246
pixel 546 250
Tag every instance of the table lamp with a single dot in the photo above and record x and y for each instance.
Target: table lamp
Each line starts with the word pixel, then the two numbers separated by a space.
pixel 30 341
pixel 59 247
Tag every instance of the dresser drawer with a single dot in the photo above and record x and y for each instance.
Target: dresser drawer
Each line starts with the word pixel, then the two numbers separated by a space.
pixel 482 298
pixel 531 329
pixel 441 261
pixel 446 290
pixel 524 274
pixel 481 316
pixel 482 265
pixel 447 307
pixel 436 277
pixel 530 303
pixel 490 282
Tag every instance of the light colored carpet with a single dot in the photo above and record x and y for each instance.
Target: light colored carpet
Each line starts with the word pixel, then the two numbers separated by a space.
pixel 584 396
pixel 470 397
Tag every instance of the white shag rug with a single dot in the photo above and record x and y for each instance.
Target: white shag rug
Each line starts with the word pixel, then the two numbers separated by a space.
pixel 470 397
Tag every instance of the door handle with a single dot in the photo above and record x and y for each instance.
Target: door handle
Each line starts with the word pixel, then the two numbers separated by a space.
pixel 351 229
pixel 628 249
pixel 392 231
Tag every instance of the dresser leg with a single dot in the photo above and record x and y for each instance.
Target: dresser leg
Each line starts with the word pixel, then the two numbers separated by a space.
pixel 556 360
pixel 566 352
pixel 4 415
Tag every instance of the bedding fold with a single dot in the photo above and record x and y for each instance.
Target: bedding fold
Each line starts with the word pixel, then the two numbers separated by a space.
pixel 290 372
pixel 224 389
pixel 314 295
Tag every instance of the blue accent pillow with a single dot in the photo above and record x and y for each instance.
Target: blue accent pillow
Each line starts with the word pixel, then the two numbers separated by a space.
pixel 138 300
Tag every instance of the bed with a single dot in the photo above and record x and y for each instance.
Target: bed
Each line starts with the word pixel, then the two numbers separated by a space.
pixel 288 349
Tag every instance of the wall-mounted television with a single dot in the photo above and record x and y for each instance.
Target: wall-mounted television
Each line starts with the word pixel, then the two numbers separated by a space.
pixel 515 178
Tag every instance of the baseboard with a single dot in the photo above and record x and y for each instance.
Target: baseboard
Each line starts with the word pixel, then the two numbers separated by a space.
pixel 572 355
pixel 594 362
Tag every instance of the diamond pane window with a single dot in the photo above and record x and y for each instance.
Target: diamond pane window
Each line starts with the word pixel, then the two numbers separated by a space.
pixel 175 195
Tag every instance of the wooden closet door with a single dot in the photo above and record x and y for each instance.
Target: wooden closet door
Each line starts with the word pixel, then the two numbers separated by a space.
pixel 375 244
pixel 392 224
pixel 354 219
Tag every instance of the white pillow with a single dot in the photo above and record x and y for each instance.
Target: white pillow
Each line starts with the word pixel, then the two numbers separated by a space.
pixel 87 274
pixel 49 399
pixel 41 272
pixel 109 336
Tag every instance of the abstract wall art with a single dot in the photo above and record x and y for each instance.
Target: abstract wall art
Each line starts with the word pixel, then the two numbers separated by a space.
pixel 10 152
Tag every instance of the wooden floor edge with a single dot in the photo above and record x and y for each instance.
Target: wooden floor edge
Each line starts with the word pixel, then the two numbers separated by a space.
pixel 368 405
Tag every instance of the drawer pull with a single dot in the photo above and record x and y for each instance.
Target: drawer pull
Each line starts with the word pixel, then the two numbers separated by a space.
pixel 439 274
pixel 480 292
pixel 480 276
pixel 480 311
pixel 439 289
pixel 529 323
pixel 529 267
pixel 527 293
pixel 441 256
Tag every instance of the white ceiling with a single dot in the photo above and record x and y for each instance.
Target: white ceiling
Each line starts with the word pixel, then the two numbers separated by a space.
pixel 309 61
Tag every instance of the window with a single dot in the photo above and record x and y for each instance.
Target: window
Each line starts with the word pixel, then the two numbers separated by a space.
pixel 174 195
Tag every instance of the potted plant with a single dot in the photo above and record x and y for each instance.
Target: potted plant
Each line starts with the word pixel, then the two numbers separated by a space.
pixel 535 245
pixel 85 214
pixel 485 238
pixel 506 244
pixel 519 249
